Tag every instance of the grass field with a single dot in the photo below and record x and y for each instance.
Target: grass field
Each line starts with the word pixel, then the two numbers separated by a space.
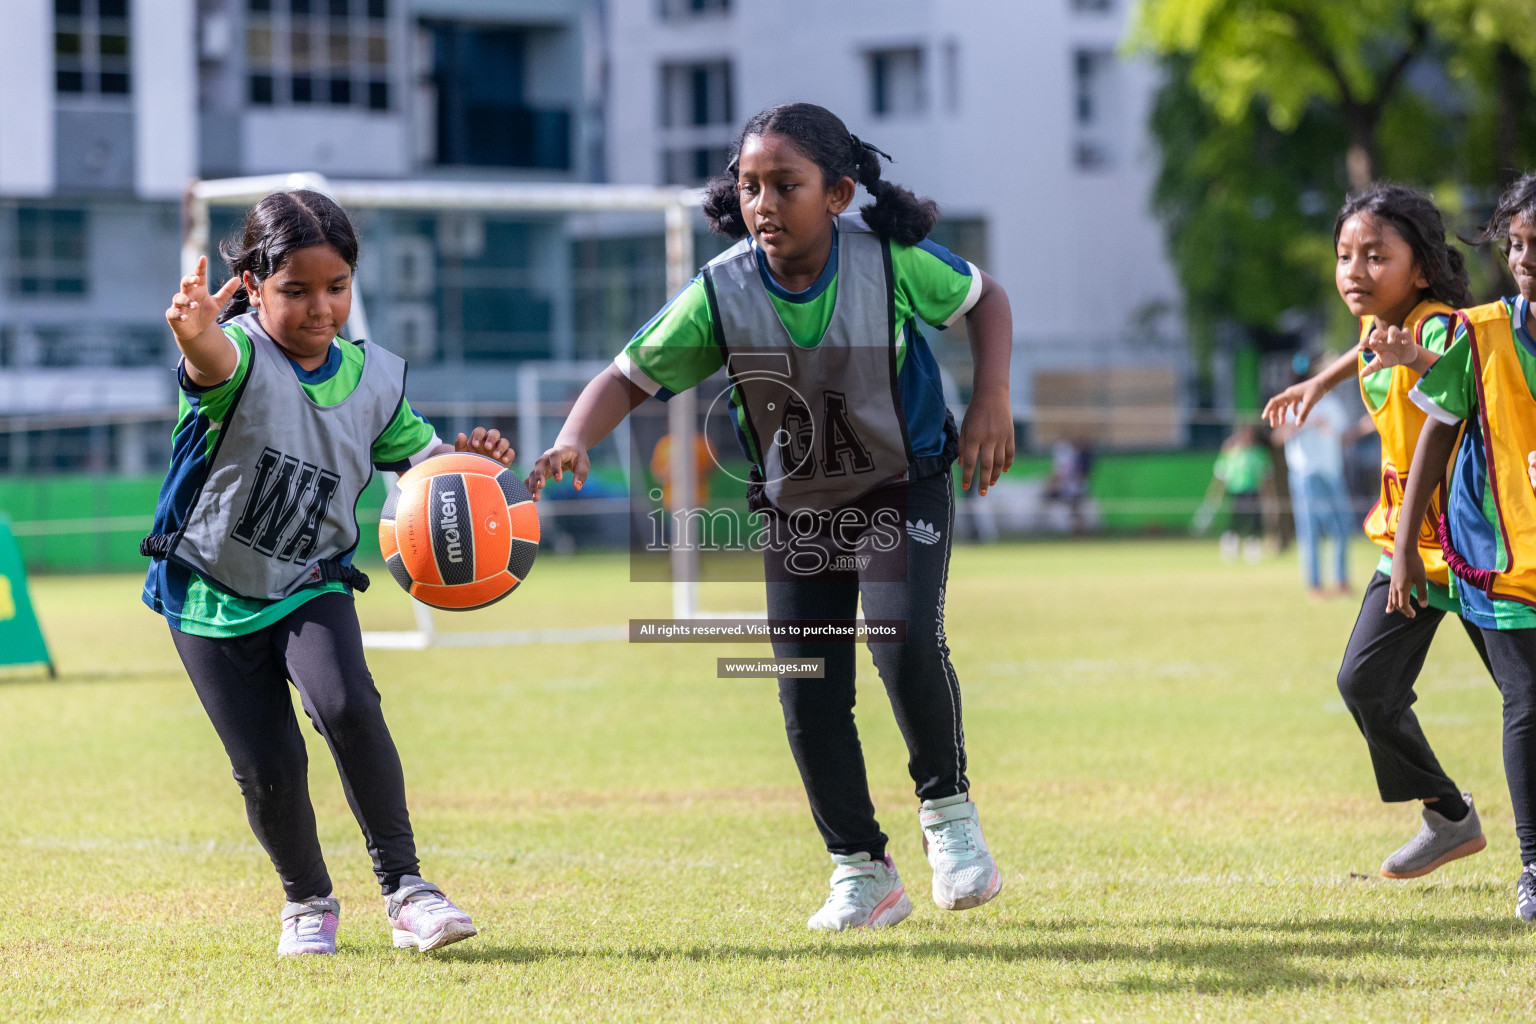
pixel 1183 811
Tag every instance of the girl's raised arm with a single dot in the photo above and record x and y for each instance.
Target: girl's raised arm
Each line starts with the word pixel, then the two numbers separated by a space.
pixel 194 318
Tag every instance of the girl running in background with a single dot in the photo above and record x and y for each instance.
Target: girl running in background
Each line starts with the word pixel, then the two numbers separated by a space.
pixel 1487 381
pixel 280 428
pixel 1396 272
pixel 857 459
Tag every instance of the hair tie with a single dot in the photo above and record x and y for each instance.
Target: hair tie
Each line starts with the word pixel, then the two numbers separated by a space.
pixel 859 145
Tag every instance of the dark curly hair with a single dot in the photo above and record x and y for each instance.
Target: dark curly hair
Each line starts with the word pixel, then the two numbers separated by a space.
pixel 1519 200
pixel 1417 219
pixel 276 228
pixel 823 138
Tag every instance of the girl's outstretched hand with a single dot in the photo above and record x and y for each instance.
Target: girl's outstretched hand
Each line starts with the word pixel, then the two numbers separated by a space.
pixel 986 440
pixel 1300 397
pixel 555 463
pixel 1409 583
pixel 192 309
pixel 1393 347
pixel 1530 467
pixel 487 442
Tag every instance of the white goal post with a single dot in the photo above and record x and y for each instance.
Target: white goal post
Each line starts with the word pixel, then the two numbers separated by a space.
pixel 675 204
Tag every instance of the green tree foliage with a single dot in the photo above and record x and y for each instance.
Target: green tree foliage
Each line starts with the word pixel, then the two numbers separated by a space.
pixel 1271 109
pixel 1248 208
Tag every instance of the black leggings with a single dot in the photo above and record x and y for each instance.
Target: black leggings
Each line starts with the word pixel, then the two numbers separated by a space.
pixel 1512 656
pixel 1385 654
pixel 905 583
pixel 243 685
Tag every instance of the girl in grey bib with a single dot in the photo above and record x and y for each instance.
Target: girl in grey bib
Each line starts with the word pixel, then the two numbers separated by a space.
pixel 840 415
pixel 281 427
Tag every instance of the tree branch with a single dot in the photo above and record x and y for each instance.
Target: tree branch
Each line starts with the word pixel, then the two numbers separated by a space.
pixel 1312 41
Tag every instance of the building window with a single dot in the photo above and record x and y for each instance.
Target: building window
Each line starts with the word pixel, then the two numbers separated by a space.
pixel 696 95
pixel 328 52
pixel 1093 73
pixel 90 47
pixel 896 83
pixel 50 256
pixel 675 9
pixel 693 165
pixel 483 117
pixel 697 121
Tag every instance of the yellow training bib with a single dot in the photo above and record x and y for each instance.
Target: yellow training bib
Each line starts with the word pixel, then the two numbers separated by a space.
pixel 1399 422
pixel 1508 414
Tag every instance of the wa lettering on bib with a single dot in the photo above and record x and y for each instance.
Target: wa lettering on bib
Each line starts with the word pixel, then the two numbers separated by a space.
pixel 283 483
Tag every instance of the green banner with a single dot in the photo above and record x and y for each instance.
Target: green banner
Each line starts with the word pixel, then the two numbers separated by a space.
pixel 21 639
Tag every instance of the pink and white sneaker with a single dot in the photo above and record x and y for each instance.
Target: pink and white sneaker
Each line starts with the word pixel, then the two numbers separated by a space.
pixel 964 873
pixel 309 927
pixel 865 894
pixel 423 917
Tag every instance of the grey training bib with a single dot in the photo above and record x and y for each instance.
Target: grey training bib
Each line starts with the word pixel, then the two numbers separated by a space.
pixel 278 507
pixel 825 423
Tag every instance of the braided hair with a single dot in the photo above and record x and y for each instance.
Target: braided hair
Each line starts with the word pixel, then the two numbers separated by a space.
pixel 822 138
pixel 1415 217
pixel 276 228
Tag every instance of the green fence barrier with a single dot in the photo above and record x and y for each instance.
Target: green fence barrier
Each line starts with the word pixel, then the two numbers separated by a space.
pixel 81 523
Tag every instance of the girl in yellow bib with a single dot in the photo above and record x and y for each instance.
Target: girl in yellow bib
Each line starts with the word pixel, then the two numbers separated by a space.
pixel 1397 274
pixel 1484 388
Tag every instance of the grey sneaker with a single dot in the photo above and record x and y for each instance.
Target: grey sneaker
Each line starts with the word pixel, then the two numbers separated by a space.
pixel 423 918
pixel 1438 842
pixel 309 927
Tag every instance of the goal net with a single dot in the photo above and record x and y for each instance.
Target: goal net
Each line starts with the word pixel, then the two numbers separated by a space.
pixel 448 258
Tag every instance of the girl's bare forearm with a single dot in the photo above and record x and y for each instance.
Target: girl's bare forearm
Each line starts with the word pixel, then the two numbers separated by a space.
pixel 602 406
pixel 990 326
pixel 1340 370
pixel 210 357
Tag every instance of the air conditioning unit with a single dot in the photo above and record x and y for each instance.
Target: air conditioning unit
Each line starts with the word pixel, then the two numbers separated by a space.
pixel 412 330
pixel 461 235
pixel 412 267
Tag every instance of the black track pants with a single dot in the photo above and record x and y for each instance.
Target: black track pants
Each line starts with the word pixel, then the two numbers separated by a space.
pixel 904 583
pixel 1385 654
pixel 1512 654
pixel 243 685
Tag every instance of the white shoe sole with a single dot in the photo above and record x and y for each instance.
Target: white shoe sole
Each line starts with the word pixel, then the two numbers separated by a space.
pixel 967 902
pixel 451 932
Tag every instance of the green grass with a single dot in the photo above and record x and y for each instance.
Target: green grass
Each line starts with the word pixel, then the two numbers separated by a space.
pixel 1183 811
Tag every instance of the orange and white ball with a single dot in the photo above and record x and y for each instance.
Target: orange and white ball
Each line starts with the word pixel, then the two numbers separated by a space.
pixel 461 531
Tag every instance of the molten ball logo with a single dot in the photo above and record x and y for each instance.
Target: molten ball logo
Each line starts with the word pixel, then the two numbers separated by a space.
pixel 448 524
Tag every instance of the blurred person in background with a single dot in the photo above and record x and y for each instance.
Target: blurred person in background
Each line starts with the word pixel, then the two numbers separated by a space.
pixel 1242 469
pixel 1314 459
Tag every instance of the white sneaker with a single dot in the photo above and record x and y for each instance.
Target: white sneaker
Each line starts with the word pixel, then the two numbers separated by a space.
pixel 964 874
pixel 865 894
pixel 423 918
pixel 309 927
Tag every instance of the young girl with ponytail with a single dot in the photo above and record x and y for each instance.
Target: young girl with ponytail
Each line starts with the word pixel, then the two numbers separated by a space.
pixel 1396 272
pixel 850 441
pixel 1484 391
pixel 280 428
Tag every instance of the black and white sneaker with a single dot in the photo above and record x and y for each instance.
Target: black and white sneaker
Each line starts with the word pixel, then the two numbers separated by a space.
pixel 1525 895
